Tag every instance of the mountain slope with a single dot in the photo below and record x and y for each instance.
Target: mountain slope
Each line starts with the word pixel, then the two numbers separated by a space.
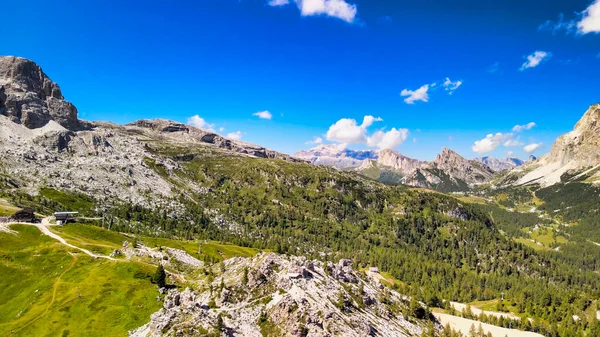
pixel 574 153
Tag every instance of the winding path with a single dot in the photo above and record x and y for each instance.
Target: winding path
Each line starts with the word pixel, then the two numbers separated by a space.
pixel 44 228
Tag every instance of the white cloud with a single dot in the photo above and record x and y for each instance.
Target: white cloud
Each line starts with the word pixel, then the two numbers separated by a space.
pixel 451 86
pixel 535 59
pixel 278 2
pixel 221 129
pixel 513 143
pixel 387 140
pixel 235 135
pixel 528 126
pixel 510 153
pixel 590 20
pixel 490 142
pixel 263 114
pixel 199 122
pixel 315 140
pixel 587 21
pixel 334 8
pixel 532 147
pixel 347 131
pixel 416 95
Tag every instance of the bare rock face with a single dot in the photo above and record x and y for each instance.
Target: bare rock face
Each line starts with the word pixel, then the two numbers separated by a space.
pixel 582 144
pixel 29 97
pixel 178 132
pixel 572 154
pixel 398 161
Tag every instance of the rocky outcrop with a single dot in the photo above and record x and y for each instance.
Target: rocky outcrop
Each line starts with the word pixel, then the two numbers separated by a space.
pixel 289 296
pixel 182 133
pixel 29 97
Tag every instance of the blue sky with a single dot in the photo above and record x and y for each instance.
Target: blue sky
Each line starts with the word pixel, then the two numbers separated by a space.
pixel 317 65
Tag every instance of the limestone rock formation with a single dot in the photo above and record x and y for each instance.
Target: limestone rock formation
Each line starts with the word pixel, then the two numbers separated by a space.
pixel 458 167
pixel 574 154
pixel 29 97
pixel 398 161
pixel 291 296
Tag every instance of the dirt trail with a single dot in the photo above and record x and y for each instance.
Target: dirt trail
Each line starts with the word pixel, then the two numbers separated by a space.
pixel 44 228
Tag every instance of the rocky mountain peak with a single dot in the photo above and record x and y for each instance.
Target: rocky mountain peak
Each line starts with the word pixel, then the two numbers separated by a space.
pixel 457 166
pixel 29 97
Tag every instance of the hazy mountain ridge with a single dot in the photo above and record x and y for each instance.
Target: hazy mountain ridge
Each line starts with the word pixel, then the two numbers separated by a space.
pixel 336 156
pixel 499 165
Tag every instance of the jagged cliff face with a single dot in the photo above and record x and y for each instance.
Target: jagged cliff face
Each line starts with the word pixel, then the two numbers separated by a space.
pixel 582 145
pixel 29 97
pixel 575 154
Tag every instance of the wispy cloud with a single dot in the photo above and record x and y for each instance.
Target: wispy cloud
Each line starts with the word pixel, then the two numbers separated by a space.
pixel 413 96
pixel 532 147
pixel 235 135
pixel 450 86
pixel 315 140
pixel 513 143
pixel 263 114
pixel 528 126
pixel 333 8
pixel 560 25
pixel 535 59
pixel 494 68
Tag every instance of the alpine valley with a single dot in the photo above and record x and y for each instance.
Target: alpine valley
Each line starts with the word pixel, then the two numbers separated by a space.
pixel 183 232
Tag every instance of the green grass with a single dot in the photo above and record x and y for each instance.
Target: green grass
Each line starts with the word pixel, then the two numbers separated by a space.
pixel 70 201
pixel 90 237
pixel 6 209
pixel 48 289
pixel 544 237
pixel 212 251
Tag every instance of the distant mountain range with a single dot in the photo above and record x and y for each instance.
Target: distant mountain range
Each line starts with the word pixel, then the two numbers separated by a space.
pixel 448 172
